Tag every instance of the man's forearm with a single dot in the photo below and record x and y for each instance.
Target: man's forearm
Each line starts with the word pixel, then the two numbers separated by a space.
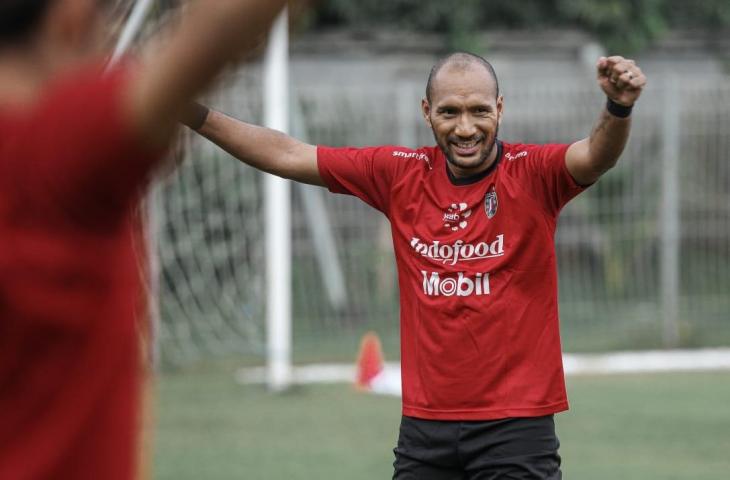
pixel 591 157
pixel 262 148
pixel 622 81
pixel 608 140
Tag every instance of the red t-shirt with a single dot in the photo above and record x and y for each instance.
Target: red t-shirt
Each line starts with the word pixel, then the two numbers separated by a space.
pixel 477 275
pixel 70 170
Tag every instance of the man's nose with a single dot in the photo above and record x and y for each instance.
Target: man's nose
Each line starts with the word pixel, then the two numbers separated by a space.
pixel 465 127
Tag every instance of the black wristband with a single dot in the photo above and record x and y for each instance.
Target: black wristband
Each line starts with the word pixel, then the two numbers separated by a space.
pixel 195 115
pixel 618 110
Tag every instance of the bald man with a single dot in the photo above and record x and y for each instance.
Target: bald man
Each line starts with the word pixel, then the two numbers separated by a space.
pixel 473 222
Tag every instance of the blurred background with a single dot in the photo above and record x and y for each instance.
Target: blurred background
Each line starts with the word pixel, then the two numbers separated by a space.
pixel 644 255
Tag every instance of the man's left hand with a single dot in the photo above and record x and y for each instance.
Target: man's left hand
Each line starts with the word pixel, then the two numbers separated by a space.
pixel 621 79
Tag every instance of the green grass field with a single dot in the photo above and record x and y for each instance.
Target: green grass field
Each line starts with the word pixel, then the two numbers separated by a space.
pixel 648 427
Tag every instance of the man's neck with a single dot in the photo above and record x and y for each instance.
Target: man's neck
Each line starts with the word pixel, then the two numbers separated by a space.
pixel 466 173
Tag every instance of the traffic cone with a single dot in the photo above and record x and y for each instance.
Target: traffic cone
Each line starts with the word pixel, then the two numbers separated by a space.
pixel 370 362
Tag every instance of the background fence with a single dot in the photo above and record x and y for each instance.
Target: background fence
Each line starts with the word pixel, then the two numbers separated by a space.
pixel 644 255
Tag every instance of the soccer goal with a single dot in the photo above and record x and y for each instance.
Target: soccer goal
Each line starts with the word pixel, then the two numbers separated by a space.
pixel 644 256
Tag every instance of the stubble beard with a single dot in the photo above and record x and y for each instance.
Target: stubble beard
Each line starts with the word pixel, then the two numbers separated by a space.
pixel 482 158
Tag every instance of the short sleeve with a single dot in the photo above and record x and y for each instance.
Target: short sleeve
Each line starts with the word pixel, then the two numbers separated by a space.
pixel 367 173
pixel 548 176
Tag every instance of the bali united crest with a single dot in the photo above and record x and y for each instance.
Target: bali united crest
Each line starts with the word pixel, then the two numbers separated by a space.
pixel 490 202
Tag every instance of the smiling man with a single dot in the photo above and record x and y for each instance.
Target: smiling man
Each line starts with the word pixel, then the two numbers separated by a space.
pixel 473 221
pixel 468 85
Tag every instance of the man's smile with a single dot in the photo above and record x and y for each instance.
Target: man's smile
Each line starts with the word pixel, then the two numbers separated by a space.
pixel 466 148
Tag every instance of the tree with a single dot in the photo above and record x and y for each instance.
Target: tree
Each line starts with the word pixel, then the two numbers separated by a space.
pixel 621 25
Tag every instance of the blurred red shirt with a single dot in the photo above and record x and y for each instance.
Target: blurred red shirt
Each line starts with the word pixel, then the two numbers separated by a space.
pixel 70 172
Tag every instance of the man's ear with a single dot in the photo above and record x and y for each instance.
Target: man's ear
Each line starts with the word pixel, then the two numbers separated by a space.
pixel 500 109
pixel 426 110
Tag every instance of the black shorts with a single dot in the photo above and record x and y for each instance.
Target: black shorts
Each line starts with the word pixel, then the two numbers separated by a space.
pixel 509 449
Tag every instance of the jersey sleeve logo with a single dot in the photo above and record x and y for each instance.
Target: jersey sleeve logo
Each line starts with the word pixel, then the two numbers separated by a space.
pixel 417 155
pixel 491 202
pixel 455 218
pixel 509 156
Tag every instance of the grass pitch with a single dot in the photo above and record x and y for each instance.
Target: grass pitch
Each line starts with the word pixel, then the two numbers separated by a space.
pixel 648 427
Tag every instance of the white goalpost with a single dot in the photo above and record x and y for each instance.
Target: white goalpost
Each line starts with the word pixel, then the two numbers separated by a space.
pixel 217 260
pixel 278 214
pixel 131 29
pixel 277 202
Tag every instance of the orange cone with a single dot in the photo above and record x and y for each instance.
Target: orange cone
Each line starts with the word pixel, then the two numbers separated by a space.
pixel 370 360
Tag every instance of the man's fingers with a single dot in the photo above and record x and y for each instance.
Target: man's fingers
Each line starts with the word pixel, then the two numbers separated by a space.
pixel 615 59
pixel 638 82
pixel 608 63
pixel 623 80
pixel 629 83
pixel 632 78
pixel 620 78
pixel 620 73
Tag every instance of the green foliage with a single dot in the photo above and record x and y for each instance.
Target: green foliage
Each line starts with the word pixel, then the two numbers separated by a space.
pixel 708 14
pixel 622 25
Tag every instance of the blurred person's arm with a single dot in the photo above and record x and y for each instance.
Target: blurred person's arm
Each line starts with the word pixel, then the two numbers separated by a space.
pixel 262 148
pixel 104 156
pixel 622 81
pixel 181 65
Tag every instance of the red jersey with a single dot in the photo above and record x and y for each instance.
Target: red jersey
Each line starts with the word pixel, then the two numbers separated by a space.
pixel 70 169
pixel 477 274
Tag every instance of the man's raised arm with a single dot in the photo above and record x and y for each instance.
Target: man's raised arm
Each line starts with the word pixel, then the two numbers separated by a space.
pixel 265 149
pixel 173 71
pixel 622 81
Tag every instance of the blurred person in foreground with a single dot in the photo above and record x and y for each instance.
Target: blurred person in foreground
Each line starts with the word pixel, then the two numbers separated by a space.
pixel 473 221
pixel 76 147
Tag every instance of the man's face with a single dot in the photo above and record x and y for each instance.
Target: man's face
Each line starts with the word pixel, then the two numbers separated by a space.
pixel 464 114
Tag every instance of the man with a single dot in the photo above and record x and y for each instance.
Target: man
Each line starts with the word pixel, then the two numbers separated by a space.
pixel 75 149
pixel 473 221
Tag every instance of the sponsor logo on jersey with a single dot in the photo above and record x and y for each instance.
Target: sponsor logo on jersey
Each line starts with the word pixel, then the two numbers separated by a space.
pixel 511 157
pixel 455 217
pixel 417 155
pixel 461 284
pixel 491 202
pixel 451 254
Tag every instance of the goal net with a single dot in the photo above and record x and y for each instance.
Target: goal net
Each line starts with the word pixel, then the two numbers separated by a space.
pixel 209 225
